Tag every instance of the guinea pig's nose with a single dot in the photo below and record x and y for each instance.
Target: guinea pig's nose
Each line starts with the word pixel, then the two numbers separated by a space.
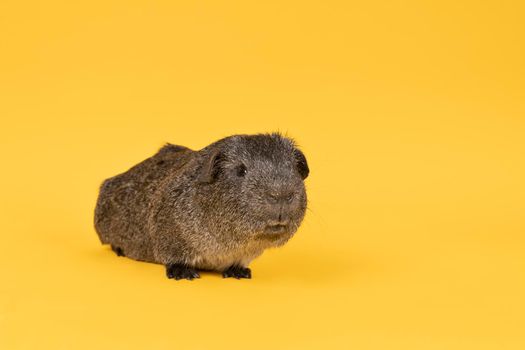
pixel 280 197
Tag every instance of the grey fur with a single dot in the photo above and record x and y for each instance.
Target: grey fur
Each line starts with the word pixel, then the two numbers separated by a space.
pixel 211 209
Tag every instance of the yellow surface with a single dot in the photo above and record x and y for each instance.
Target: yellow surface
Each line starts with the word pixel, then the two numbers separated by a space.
pixel 411 114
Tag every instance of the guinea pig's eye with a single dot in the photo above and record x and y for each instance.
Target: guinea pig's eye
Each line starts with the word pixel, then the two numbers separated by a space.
pixel 241 170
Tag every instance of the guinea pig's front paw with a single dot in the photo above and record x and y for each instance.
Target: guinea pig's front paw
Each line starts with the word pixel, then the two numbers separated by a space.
pixel 238 272
pixel 179 271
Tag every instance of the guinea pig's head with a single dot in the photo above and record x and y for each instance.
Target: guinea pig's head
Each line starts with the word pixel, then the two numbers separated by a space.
pixel 258 183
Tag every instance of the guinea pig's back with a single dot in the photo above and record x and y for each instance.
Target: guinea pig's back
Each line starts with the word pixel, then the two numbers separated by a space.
pixel 121 210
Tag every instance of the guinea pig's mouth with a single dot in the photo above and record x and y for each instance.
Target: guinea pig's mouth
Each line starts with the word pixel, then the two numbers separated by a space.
pixel 276 229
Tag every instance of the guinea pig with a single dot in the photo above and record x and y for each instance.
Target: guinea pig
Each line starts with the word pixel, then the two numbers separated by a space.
pixel 214 209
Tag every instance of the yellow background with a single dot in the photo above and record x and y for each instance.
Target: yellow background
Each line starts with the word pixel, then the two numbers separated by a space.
pixel 411 114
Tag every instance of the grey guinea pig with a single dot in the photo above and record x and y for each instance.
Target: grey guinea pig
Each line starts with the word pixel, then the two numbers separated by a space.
pixel 213 209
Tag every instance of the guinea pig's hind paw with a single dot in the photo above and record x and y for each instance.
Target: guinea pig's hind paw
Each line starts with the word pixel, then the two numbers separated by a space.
pixel 179 272
pixel 238 272
pixel 117 250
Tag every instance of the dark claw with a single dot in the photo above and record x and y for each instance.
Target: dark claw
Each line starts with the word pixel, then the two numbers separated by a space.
pixel 237 272
pixel 117 250
pixel 179 272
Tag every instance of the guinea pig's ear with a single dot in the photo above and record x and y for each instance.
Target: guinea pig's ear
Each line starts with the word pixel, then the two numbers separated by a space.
pixel 210 167
pixel 302 164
